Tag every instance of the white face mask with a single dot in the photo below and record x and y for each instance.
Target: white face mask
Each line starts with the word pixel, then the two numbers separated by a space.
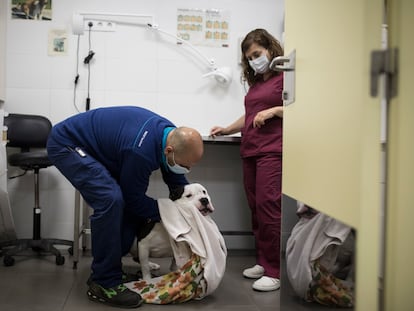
pixel 260 65
pixel 177 169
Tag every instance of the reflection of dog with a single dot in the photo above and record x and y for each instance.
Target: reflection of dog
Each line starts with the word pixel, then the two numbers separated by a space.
pixel 157 243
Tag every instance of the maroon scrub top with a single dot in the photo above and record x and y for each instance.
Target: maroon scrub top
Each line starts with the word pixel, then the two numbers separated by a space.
pixel 268 138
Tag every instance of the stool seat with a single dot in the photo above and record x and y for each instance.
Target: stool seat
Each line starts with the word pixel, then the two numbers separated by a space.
pixel 30 160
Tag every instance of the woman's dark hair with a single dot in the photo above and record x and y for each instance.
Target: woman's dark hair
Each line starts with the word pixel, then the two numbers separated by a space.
pixel 263 38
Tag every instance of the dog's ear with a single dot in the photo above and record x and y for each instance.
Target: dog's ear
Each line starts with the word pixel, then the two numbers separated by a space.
pixel 176 192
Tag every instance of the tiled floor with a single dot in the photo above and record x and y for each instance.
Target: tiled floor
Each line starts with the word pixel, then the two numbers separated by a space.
pixel 38 284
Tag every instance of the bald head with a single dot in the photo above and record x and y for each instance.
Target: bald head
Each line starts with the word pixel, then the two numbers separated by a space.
pixel 187 145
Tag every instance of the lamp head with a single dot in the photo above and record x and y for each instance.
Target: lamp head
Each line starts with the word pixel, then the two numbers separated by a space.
pixel 222 75
pixel 77 24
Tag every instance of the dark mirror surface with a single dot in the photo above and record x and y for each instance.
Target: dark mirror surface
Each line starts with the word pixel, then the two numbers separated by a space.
pixel 318 254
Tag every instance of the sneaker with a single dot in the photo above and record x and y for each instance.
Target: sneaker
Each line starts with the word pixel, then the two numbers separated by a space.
pixel 266 284
pixel 254 272
pixel 129 277
pixel 118 296
pixel 126 277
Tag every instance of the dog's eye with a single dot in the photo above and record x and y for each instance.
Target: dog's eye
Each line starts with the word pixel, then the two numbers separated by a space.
pixel 188 195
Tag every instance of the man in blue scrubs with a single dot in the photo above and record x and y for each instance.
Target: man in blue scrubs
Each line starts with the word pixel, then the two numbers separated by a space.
pixel 109 154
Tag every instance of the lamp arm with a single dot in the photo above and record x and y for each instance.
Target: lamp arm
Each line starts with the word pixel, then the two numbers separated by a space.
pixel 211 63
pixel 117 14
pixel 78 19
pixel 222 75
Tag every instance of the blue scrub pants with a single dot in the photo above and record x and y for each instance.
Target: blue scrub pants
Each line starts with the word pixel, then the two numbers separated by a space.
pixel 113 227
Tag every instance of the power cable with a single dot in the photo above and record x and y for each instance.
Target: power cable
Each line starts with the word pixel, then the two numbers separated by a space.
pixel 87 61
pixel 77 75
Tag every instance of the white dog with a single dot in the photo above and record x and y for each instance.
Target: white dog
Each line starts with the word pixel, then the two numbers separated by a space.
pixel 157 243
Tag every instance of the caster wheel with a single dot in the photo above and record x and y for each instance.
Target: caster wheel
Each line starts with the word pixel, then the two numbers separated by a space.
pixel 70 251
pixel 60 260
pixel 75 265
pixel 8 261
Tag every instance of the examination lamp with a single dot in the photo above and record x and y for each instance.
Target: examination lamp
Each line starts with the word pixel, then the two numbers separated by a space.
pixel 222 75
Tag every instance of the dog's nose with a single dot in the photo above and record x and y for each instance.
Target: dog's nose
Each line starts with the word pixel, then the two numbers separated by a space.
pixel 204 201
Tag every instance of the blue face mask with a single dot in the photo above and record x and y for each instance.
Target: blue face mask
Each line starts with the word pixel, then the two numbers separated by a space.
pixel 177 169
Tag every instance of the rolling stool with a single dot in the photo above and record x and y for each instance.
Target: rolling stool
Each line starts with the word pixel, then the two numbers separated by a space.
pixel 27 132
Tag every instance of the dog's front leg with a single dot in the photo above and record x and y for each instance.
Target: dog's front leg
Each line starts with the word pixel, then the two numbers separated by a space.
pixel 144 252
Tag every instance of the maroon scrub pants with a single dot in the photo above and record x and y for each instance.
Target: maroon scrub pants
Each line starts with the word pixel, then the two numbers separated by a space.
pixel 262 176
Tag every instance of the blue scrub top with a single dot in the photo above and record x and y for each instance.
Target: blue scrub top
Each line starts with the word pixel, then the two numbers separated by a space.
pixel 127 140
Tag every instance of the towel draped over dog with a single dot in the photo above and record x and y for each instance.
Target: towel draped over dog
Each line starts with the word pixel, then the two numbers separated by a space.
pixel 195 240
pixel 188 227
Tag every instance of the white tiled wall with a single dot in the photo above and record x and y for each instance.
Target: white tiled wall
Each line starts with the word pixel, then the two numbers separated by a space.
pixel 132 66
pixel 2 50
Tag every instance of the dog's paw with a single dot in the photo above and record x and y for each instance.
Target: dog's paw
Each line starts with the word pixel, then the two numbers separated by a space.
pixel 154 266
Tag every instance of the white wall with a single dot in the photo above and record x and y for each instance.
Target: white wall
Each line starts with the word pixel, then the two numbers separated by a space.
pixel 3 19
pixel 132 66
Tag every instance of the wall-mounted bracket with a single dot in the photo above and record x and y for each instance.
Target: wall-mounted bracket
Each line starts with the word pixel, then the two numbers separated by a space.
pixel 384 62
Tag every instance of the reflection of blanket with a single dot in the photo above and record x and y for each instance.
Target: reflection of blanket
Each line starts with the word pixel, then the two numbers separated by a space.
pixel 327 289
pixel 191 234
pixel 314 239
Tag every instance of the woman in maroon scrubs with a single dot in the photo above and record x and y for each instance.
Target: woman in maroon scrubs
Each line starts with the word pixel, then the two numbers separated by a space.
pixel 261 152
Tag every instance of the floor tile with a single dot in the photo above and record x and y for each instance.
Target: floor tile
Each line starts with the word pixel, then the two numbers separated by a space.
pixel 48 287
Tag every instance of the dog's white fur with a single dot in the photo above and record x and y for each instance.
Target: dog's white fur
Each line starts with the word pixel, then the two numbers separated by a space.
pixel 157 243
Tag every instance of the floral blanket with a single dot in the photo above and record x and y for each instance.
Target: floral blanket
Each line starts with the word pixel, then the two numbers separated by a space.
pixel 175 287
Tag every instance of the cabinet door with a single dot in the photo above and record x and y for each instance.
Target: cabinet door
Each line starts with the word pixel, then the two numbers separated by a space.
pixel 331 157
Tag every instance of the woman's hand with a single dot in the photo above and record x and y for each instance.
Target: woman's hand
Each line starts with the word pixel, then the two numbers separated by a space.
pixel 261 117
pixel 233 128
pixel 217 131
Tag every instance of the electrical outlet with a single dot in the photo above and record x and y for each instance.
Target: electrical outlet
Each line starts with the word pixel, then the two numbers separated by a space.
pixel 98 25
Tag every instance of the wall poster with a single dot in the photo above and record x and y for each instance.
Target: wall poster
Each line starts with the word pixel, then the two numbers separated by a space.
pixel 209 27
pixel 31 9
pixel 57 42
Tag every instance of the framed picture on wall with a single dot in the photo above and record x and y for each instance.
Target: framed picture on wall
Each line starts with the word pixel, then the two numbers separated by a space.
pixel 31 9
